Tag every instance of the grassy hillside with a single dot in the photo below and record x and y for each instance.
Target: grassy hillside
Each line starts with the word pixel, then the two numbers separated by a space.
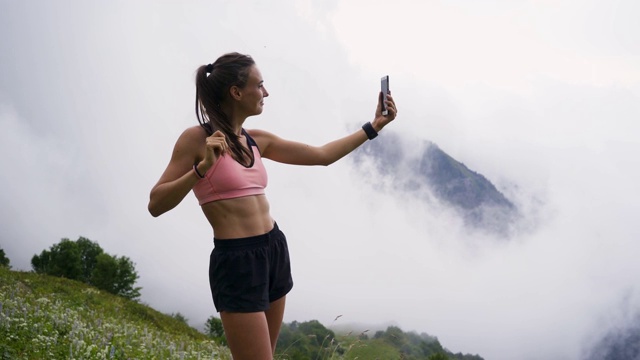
pixel 44 317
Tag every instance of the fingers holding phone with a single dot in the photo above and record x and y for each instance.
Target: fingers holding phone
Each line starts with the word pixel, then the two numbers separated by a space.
pixel 384 88
pixel 386 104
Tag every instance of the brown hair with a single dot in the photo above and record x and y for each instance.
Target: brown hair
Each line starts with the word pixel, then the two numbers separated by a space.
pixel 213 82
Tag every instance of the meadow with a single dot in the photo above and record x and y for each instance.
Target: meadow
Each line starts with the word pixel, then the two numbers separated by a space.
pixel 47 317
pixel 44 317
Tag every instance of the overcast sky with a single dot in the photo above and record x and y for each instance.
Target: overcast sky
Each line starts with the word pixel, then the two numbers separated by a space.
pixel 541 97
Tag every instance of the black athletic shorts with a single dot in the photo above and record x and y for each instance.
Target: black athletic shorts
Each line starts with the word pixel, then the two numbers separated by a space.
pixel 247 274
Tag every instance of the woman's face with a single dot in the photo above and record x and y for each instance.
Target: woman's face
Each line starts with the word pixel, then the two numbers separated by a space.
pixel 253 93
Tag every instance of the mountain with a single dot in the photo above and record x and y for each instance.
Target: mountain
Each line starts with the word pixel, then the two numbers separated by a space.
pixel 619 343
pixel 426 166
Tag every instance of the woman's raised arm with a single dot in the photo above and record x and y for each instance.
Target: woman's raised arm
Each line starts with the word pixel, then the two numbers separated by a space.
pixel 296 153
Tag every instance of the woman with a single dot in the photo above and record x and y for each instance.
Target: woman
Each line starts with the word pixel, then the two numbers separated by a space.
pixel 220 161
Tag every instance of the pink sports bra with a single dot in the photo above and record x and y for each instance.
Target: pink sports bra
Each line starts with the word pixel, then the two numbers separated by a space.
pixel 228 179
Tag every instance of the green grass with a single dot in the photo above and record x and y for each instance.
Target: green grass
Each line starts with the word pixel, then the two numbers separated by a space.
pixel 371 349
pixel 44 317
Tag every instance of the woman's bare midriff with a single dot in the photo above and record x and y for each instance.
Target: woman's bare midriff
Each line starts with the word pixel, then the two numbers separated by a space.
pixel 240 217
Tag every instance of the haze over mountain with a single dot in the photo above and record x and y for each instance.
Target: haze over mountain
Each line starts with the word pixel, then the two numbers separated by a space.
pixel 428 172
pixel 620 341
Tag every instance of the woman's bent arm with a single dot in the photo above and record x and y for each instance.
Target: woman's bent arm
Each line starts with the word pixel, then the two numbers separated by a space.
pixel 166 196
pixel 178 178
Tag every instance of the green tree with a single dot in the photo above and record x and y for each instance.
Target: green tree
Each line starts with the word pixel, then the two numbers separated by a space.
pixel 438 356
pixel 127 277
pixel 89 252
pixel 411 345
pixel 395 336
pixel 84 260
pixel 363 336
pixel 306 340
pixel 116 275
pixel 104 273
pixel 315 330
pixel 4 260
pixel 293 344
pixel 178 316
pixel 213 328
pixel 62 260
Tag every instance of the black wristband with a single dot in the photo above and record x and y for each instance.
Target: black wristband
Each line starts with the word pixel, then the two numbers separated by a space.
pixel 369 130
pixel 195 168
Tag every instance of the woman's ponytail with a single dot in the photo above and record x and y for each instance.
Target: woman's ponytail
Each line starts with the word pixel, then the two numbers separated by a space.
pixel 213 82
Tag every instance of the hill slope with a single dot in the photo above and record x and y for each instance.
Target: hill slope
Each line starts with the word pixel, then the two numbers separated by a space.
pixel 44 317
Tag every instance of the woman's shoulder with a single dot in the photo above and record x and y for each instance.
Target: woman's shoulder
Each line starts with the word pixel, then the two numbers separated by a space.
pixel 193 133
pixel 261 137
pixel 195 130
pixel 192 139
pixel 259 134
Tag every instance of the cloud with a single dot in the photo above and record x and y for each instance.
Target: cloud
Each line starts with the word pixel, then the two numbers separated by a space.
pixel 40 189
pixel 90 119
pixel 504 44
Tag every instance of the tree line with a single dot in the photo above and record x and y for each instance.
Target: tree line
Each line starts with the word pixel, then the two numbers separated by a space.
pixel 312 340
pixel 84 260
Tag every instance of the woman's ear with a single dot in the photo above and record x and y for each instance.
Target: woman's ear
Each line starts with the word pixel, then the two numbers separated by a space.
pixel 235 92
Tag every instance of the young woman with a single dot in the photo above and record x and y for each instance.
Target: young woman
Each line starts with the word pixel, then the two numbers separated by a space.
pixel 249 271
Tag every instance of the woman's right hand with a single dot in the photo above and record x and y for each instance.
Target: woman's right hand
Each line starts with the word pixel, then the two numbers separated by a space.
pixel 216 146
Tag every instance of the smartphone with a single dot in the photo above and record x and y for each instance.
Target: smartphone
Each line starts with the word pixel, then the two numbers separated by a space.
pixel 384 87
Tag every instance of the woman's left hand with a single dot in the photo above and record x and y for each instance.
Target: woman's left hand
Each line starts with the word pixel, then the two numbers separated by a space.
pixel 380 120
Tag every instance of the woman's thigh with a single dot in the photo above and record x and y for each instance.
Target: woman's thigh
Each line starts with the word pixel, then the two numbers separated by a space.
pixel 274 320
pixel 247 335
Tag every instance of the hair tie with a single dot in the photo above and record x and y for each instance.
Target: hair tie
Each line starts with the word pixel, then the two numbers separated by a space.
pixel 210 68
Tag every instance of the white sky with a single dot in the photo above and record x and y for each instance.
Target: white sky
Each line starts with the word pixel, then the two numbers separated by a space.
pixel 541 97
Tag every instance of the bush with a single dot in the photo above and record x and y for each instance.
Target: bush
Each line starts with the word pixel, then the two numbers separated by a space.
pixel 4 260
pixel 84 260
